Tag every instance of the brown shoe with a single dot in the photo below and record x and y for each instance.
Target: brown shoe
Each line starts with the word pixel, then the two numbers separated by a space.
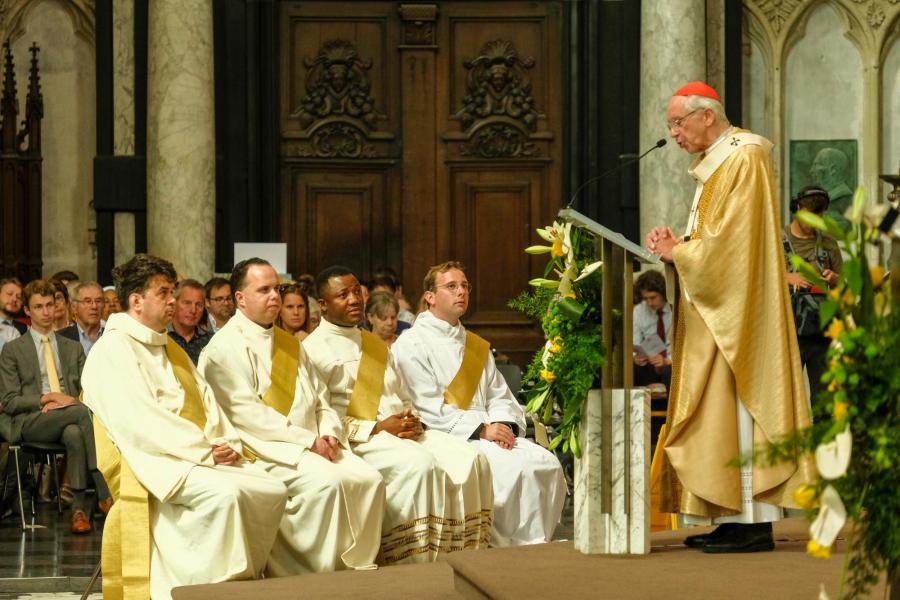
pixel 105 504
pixel 80 522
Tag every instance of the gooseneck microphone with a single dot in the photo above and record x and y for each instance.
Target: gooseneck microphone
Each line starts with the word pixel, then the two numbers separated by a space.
pixel 627 160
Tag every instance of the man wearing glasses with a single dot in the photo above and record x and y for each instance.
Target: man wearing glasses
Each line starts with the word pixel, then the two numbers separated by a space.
pixel 89 302
pixel 219 303
pixel 736 376
pixel 454 383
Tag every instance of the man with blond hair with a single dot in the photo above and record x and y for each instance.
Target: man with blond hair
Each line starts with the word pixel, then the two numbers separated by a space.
pixel 455 385
pixel 736 377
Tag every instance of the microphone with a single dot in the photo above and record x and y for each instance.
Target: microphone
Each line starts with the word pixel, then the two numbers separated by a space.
pixel 627 160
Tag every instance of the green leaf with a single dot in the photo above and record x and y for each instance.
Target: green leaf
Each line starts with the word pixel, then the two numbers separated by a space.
pixel 811 219
pixel 853 274
pixel 827 310
pixel 571 309
pixel 859 203
pixel 833 229
pixel 808 272
pixel 538 249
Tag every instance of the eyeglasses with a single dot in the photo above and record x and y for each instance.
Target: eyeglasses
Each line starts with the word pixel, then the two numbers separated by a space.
pixel 92 301
pixel 677 123
pixel 453 286
pixel 221 299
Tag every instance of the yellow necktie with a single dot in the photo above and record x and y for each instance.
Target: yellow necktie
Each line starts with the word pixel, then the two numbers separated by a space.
pixel 52 375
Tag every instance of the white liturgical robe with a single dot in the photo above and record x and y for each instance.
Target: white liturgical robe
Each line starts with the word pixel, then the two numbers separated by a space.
pixel 439 496
pixel 529 486
pixel 208 522
pixel 334 510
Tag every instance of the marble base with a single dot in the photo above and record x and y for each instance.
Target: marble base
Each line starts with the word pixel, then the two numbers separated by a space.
pixel 612 478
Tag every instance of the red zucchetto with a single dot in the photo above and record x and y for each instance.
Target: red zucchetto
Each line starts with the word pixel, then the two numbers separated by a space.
pixel 698 88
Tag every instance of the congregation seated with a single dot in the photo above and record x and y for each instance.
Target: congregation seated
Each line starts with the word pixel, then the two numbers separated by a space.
pixel 386 280
pixel 40 379
pixel 61 306
pixel 10 306
pixel 111 305
pixel 88 301
pixel 268 389
pixel 381 317
pixel 439 498
pixel 173 451
pixel 219 303
pixel 651 328
pixel 295 308
pixel 455 385
pixel 185 326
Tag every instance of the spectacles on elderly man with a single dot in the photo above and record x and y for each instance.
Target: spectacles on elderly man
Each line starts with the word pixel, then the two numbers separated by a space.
pixel 92 301
pixel 453 286
pixel 677 123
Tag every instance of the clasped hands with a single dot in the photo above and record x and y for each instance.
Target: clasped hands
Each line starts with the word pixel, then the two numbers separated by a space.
pixel 661 241
pixel 499 433
pixel 405 425
pixel 53 400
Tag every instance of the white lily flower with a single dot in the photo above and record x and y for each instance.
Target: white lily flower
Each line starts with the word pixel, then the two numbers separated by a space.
pixel 832 516
pixel 545 233
pixel 833 458
pixel 565 280
pixel 587 270
pixel 546 355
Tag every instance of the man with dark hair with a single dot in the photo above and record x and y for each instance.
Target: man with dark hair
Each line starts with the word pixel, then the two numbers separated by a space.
pixel 454 383
pixel 219 303
pixel 385 283
pixel 212 514
pixel 266 385
pixel 40 379
pixel 184 328
pixel 10 305
pixel 405 314
pixel 651 330
pixel 88 327
pixel 66 277
pixel 438 488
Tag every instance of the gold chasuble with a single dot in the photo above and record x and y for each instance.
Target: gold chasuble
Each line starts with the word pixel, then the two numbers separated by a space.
pixel 285 363
pixel 462 389
pixel 366 394
pixel 126 574
pixel 734 338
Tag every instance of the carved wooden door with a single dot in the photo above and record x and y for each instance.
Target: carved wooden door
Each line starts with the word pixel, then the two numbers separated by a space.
pixel 417 133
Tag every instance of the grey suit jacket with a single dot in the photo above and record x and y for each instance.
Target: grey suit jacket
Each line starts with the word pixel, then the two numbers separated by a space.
pixel 20 381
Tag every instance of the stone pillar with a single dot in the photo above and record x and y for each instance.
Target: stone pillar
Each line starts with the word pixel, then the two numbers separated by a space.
pixel 673 52
pixel 123 116
pixel 181 136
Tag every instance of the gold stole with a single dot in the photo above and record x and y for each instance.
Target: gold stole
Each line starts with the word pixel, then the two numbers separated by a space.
pixel 462 389
pixel 283 379
pixel 126 575
pixel 366 394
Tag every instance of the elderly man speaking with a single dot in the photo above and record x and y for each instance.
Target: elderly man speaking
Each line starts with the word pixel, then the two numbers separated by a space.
pixel 736 376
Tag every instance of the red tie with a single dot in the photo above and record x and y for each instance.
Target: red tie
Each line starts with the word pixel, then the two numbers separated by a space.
pixel 661 332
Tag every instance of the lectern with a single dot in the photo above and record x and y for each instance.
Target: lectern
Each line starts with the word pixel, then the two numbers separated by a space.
pixel 612 477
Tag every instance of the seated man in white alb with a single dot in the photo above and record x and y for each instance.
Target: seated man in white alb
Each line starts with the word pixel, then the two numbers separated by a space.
pixel 439 496
pixel 210 514
pixel 265 384
pixel 456 386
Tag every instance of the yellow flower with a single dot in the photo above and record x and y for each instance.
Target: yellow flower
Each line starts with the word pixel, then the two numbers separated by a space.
pixel 833 385
pixel 557 248
pixel 849 299
pixel 547 375
pixel 555 348
pixel 817 550
pixel 570 295
pixel 834 293
pixel 877 274
pixel 835 328
pixel 840 411
pixel 805 496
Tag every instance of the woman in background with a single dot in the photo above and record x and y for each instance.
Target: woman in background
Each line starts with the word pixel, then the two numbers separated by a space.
pixel 381 315
pixel 294 315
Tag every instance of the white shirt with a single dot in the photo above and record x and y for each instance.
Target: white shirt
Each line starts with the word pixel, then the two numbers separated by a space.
pixel 644 322
pixel 39 346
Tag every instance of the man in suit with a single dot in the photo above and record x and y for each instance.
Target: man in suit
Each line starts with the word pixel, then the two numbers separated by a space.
pixel 88 300
pixel 40 379
pixel 10 305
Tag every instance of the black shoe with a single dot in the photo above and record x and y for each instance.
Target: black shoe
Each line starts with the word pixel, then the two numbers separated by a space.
pixel 698 541
pixel 744 538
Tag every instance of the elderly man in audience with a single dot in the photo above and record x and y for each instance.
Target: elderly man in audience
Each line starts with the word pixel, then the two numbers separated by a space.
pixel 219 303
pixel 88 326
pixel 111 305
pixel 439 495
pixel 212 514
pixel 454 383
pixel 265 384
pixel 10 305
pixel 40 379
pixel 185 326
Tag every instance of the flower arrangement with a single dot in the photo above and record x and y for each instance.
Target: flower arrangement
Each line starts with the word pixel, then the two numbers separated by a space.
pixel 856 430
pixel 566 300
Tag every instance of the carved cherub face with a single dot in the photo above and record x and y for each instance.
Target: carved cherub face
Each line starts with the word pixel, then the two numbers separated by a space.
pixel 338 72
pixel 499 76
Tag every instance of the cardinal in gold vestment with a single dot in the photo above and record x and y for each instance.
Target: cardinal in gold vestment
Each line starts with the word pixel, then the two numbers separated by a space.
pixel 737 382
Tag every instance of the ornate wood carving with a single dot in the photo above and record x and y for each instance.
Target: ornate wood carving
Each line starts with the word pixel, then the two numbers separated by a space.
pixel 498 112
pixel 338 111
pixel 419 22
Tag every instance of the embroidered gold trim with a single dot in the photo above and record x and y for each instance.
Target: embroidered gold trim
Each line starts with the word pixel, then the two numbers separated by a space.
pixel 436 535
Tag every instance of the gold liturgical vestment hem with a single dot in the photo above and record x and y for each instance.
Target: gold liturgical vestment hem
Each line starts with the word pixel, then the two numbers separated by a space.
pixel 366 394
pixel 285 362
pixel 462 389
pixel 734 338
pixel 126 575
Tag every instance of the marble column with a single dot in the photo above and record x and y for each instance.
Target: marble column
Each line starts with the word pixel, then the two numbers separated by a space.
pixel 123 116
pixel 181 136
pixel 673 52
